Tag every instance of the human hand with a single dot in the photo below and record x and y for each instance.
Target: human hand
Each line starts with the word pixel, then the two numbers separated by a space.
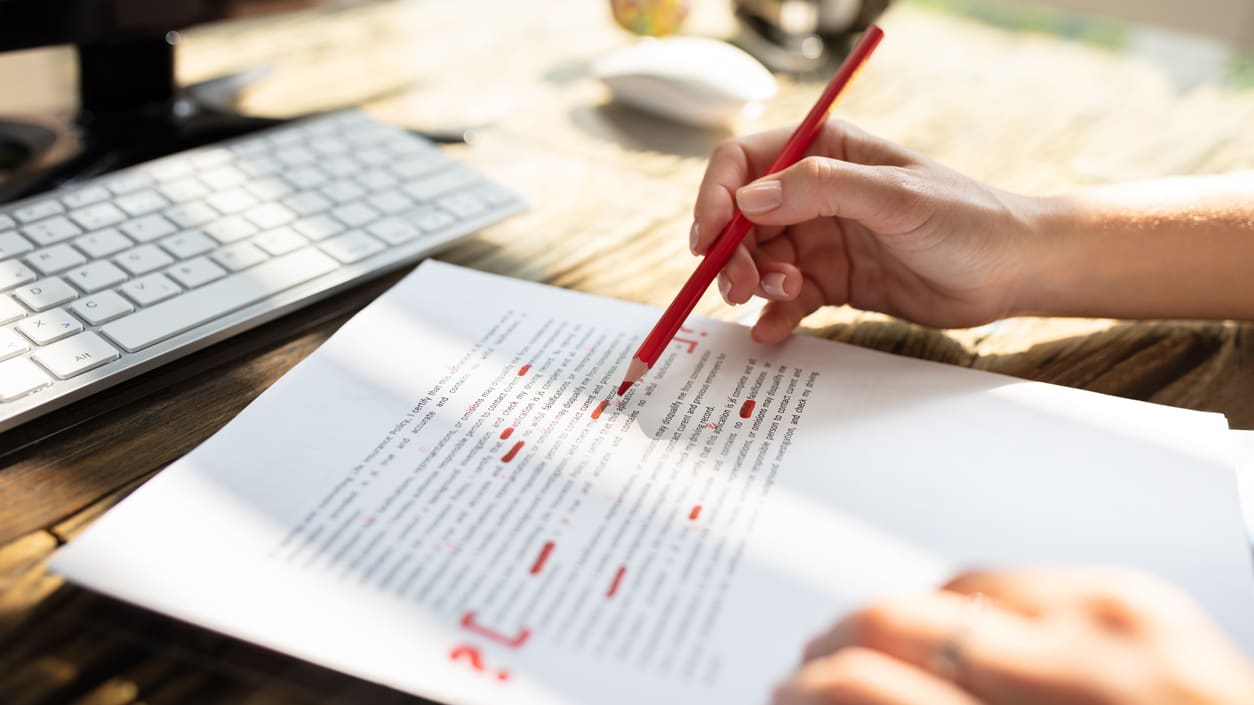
pixel 863 222
pixel 1081 637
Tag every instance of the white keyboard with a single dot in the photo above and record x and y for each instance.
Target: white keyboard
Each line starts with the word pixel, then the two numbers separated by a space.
pixel 103 280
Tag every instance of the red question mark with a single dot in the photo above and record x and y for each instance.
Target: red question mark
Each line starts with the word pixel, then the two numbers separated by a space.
pixel 476 659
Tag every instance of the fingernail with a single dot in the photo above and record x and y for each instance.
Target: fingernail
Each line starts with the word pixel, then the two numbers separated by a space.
pixel 773 284
pixel 760 197
pixel 692 238
pixel 724 288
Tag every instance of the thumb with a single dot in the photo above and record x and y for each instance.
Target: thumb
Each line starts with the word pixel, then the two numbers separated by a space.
pixel 884 199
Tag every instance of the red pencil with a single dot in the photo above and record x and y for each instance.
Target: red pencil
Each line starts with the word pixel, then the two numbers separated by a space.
pixel 675 315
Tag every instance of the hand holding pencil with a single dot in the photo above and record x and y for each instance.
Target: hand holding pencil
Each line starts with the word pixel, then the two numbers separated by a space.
pixel 733 234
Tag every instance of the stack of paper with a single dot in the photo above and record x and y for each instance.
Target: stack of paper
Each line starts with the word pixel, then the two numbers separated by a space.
pixel 448 499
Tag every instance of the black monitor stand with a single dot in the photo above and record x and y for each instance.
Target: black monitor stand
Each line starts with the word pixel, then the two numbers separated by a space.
pixel 131 110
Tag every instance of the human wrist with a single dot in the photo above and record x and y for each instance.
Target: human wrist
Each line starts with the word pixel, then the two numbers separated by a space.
pixel 1044 279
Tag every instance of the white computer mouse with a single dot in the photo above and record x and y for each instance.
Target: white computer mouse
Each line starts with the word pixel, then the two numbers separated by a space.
pixel 694 80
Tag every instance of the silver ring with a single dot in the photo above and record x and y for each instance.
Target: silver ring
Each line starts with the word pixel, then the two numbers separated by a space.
pixel 949 661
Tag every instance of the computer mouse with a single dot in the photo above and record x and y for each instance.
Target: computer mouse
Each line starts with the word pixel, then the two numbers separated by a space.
pixel 693 80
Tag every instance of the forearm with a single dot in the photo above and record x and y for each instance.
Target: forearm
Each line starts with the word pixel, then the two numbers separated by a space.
pixel 1176 248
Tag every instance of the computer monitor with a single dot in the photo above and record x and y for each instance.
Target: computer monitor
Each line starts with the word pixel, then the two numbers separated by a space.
pixel 131 109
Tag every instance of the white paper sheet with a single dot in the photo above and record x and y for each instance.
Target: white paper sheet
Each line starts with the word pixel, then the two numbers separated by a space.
pixel 438 500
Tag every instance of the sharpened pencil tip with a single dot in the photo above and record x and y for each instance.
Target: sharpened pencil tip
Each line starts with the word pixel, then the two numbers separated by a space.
pixel 622 388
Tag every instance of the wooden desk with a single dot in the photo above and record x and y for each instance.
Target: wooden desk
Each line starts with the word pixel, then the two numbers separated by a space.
pixel 612 195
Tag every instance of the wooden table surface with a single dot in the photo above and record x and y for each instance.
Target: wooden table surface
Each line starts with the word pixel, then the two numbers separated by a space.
pixel 612 192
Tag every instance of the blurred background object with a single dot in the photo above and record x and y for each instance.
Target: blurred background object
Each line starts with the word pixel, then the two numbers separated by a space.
pixel 803 35
pixel 653 18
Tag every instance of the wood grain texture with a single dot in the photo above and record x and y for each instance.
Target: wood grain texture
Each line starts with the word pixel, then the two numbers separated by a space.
pixel 612 193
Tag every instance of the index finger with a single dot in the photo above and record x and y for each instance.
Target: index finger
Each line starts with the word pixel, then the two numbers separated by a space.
pixel 741 160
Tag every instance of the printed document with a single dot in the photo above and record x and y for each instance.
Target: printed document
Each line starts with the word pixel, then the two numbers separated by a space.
pixel 449 499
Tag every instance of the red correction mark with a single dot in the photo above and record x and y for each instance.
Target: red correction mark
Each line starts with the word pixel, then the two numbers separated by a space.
pixel 618 580
pixel 507 433
pixel 524 370
pixel 746 409
pixel 596 413
pixel 512 452
pixel 468 621
pixel 472 654
pixel 696 512
pixel 542 558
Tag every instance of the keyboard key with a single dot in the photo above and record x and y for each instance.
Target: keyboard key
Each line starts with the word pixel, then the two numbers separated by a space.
pixel 377 180
pixel 37 210
pixel 318 227
pixel 51 260
pixel 210 157
pixel 329 147
pixel 148 290
pixel 45 293
pixel 141 329
pixel 341 167
pixel 74 356
pixel 352 246
pixel 21 377
pixel 141 202
pixel 261 165
pixel 232 200
pixel 440 184
pixel 189 215
pixel 494 195
pixel 51 231
pixel 49 326
pixel 393 231
pixel 143 259
pixel 100 215
pixel 230 229
pixel 85 197
pixel 431 219
pixel 170 169
pixel 343 191
pixel 195 272
pixel 6 222
pixel 296 156
pixel 98 275
pixel 307 202
pixel 10 310
pixel 269 215
pixel 463 205
pixel 11 344
pixel 101 308
pixel 127 182
pixel 103 243
pixel 12 245
pixel 188 243
pixel 183 190
pixel 239 256
pixel 15 273
pixel 149 227
pixel 280 241
pixel 390 202
pixel 355 214
pixel 421 165
pixel 222 177
pixel 268 189
pixel 373 156
pixel 306 177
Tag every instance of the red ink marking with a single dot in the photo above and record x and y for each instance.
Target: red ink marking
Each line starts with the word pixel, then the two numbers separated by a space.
pixel 596 413
pixel 618 579
pixel 712 426
pixel 542 558
pixel 468 621
pixel 524 370
pixel 692 344
pixel 512 452
pixel 507 433
pixel 470 653
pixel 622 388
pixel 746 409
pixel 696 512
